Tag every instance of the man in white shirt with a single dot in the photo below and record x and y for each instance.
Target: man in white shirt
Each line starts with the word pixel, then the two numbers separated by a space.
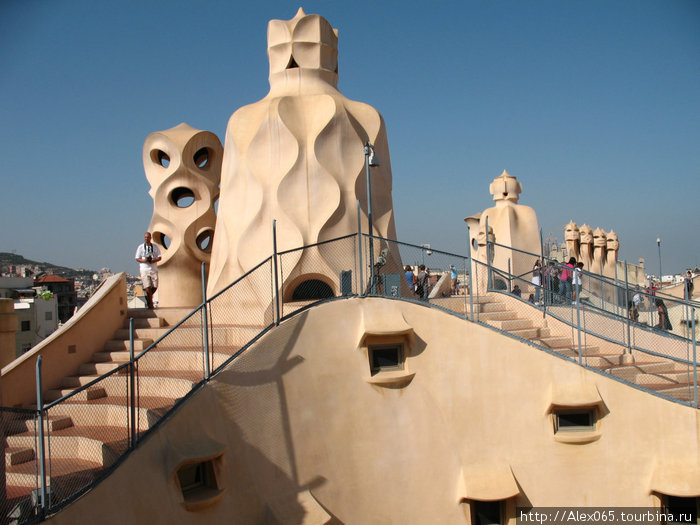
pixel 148 255
pixel 637 298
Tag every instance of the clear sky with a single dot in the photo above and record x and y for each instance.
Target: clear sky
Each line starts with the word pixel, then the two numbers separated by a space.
pixel 593 105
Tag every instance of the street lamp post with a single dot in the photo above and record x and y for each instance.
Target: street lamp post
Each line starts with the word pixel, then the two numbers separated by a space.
pixel 370 160
pixel 426 250
pixel 661 275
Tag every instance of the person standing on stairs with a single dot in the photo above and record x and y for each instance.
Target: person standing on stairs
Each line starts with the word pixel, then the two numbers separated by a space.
pixel 148 255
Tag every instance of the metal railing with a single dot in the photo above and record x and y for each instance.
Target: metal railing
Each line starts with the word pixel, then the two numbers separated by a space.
pixel 603 311
pixel 124 395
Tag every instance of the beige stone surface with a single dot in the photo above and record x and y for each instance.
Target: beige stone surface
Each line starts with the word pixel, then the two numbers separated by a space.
pixel 512 224
pixel 572 237
pixel 67 348
pixel 297 157
pixel 586 247
pixel 304 423
pixel 183 167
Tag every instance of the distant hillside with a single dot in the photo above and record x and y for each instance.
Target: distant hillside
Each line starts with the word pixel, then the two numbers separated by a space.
pixel 7 259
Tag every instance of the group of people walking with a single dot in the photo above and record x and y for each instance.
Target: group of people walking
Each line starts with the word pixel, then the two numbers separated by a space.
pixel 420 284
pixel 559 283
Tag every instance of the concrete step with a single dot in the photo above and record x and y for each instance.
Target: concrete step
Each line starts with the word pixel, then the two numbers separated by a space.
pixel 555 342
pixel 586 352
pixel 630 372
pixel 509 325
pixel 120 345
pixel 177 360
pixel 665 378
pixel 168 316
pixel 23 479
pixel 149 385
pixel 54 422
pixel 24 474
pixel 87 369
pixel 16 455
pixel 94 392
pixel 492 307
pixel 107 415
pixel 601 361
pixel 534 332
pixel 157 360
pixel 682 392
pixel 505 315
pixel 67 447
pixel 120 356
pixel 145 322
pixel 140 313
pixel 191 336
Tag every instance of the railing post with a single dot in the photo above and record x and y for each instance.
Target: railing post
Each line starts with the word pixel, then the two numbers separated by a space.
pixel 275 268
pixel 205 325
pixel 368 147
pixel 543 268
pixel 359 249
pixel 578 327
pixel 627 301
pixel 472 267
pixel 695 360
pixel 132 383
pixel 617 295
pixel 510 277
pixel 42 448
pixel 489 273
pixel 603 282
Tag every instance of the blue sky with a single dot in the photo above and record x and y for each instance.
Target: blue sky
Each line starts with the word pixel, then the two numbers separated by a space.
pixel 593 105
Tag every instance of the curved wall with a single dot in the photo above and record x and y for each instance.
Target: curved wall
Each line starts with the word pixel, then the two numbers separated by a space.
pixel 310 435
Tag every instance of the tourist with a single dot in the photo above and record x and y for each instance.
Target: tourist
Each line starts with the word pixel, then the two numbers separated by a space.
pixel 537 279
pixel 517 291
pixel 637 298
pixel 552 282
pixel 576 281
pixel 410 278
pixel 689 285
pixel 664 322
pixel 422 282
pixel 565 280
pixel 148 255
pixel 633 311
pixel 453 276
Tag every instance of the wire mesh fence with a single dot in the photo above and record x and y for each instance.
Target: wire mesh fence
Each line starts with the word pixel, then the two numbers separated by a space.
pixel 317 272
pixel 116 400
pixel 18 495
pixel 174 365
pixel 87 431
pixel 240 312
pixel 416 273
pixel 607 320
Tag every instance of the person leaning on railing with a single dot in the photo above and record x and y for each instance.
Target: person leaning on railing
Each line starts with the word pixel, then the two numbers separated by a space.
pixel 565 279
pixel 664 322
pixel 551 275
pixel 688 285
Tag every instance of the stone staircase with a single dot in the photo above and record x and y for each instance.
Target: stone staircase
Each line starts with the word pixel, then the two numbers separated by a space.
pixel 665 376
pixel 90 430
